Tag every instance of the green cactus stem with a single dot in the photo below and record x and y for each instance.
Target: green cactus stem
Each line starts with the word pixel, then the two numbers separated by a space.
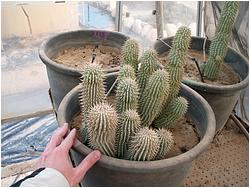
pixel 92 92
pixel 219 44
pixel 176 59
pixel 127 95
pixel 130 53
pixel 102 126
pixel 166 143
pixel 126 71
pixel 143 146
pixel 174 111
pixel 129 124
pixel 155 93
pixel 147 68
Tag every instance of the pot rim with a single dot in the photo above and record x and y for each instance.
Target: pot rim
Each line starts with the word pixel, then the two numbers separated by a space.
pixel 215 88
pixel 144 166
pixel 69 70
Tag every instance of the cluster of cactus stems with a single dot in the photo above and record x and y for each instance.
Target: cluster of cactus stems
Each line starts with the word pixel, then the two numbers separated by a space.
pixel 219 44
pixel 137 128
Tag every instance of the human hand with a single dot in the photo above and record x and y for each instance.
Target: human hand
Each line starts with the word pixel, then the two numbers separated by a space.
pixel 56 156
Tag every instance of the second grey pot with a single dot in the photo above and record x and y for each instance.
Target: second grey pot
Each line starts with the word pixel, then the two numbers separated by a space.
pixel 111 171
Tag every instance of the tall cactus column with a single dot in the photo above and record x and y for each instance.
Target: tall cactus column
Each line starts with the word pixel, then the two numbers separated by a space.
pixel 218 47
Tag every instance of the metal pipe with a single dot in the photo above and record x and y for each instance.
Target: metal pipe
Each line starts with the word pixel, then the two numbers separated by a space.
pixel 118 20
pixel 159 18
pixel 238 123
pixel 199 18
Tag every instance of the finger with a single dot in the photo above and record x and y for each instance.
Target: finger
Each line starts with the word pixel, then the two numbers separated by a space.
pixel 86 164
pixel 57 137
pixel 69 140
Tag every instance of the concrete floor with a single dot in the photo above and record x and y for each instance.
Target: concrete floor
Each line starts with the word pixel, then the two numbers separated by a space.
pixel 24 79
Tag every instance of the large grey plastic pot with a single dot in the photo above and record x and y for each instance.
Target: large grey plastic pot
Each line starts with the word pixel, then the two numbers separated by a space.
pixel 222 99
pixel 111 171
pixel 62 78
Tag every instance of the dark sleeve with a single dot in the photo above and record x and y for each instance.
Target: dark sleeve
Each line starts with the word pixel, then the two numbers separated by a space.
pixel 18 183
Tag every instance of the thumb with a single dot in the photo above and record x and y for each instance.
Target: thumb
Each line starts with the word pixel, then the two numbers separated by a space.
pixel 87 163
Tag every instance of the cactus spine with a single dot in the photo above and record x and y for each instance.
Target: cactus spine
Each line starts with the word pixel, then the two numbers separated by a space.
pixel 92 92
pixel 218 47
pixel 176 59
pixel 130 53
pixel 126 71
pixel 166 142
pixel 156 91
pixel 129 124
pixel 175 110
pixel 147 68
pixel 102 126
pixel 143 146
pixel 127 95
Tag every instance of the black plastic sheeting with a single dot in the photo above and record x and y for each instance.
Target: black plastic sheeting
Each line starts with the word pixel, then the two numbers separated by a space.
pixel 26 139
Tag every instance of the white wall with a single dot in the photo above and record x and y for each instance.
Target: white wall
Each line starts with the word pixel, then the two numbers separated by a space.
pixel 45 17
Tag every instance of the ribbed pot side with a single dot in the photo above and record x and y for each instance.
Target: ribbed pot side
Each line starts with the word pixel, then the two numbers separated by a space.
pixel 111 171
pixel 222 99
pixel 62 78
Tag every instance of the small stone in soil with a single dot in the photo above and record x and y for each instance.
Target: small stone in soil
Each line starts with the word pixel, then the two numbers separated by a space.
pixel 184 149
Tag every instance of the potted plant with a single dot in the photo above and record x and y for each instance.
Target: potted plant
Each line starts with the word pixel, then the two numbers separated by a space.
pixel 135 137
pixel 66 54
pixel 226 72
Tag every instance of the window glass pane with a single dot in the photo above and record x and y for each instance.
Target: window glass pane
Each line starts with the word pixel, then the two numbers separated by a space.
pixel 97 14
pixel 178 13
pixel 139 22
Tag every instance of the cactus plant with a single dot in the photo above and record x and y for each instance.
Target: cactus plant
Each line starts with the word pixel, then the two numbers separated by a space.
pixel 92 92
pixel 130 53
pixel 129 124
pixel 156 91
pixel 135 136
pixel 126 71
pixel 127 95
pixel 143 146
pixel 176 59
pixel 147 68
pixel 218 47
pixel 102 125
pixel 166 142
pixel 174 111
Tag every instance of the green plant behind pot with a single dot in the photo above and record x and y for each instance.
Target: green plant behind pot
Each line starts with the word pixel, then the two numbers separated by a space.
pixel 130 53
pixel 219 44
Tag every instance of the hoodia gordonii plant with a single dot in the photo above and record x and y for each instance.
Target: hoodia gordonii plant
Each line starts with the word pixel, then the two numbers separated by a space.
pixel 127 95
pixel 174 111
pixel 144 145
pixel 92 92
pixel 130 53
pixel 219 44
pixel 155 93
pixel 129 124
pixel 126 71
pixel 176 59
pixel 131 131
pixel 102 124
pixel 147 68
pixel 166 142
